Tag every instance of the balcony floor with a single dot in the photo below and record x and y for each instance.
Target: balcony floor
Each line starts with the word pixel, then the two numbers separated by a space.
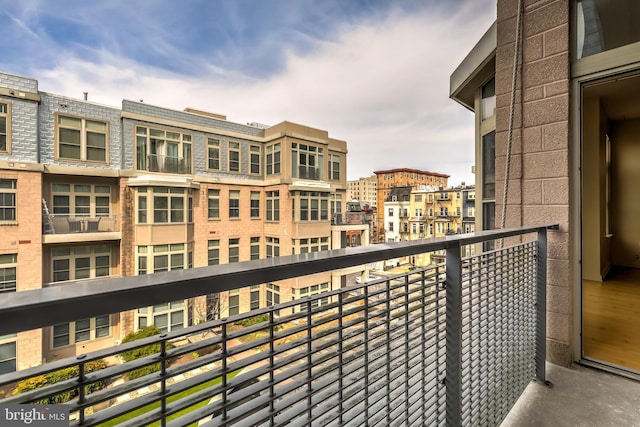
pixel 580 396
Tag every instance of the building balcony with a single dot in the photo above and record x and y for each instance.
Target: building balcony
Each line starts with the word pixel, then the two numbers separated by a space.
pixel 452 344
pixel 167 164
pixel 60 228
pixel 350 218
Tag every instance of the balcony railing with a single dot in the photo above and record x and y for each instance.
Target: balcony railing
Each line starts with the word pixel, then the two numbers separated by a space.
pixel 168 164
pixel 66 224
pixel 350 218
pixel 453 344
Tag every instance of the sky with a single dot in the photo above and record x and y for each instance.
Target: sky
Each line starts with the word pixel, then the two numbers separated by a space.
pixel 374 73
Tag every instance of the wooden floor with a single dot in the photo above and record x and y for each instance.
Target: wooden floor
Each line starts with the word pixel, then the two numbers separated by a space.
pixel 611 318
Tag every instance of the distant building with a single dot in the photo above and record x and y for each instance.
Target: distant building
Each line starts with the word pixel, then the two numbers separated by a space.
pixel 363 190
pixel 387 179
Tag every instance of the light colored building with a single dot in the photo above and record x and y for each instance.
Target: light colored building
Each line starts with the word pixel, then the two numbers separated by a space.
pixel 388 179
pixel 90 191
pixel 567 72
pixel 363 190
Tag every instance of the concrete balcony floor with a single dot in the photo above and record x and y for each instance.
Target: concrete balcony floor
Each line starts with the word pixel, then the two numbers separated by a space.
pixel 580 396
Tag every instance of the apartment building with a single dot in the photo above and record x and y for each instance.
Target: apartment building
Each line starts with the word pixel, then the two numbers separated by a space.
pixel 363 190
pixel 90 191
pixel 388 179
pixel 553 87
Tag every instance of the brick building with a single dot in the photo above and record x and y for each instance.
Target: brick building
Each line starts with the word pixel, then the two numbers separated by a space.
pixel 90 191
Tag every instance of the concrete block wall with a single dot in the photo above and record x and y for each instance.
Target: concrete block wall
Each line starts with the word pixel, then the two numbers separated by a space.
pixel 51 104
pixel 539 176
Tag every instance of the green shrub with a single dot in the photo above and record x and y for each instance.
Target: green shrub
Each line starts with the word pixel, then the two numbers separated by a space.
pixel 250 321
pixel 137 353
pixel 62 375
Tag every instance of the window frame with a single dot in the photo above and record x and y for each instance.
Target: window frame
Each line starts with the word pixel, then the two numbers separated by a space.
pixel 213 197
pixel 273 206
pixel 254 204
pixel 273 159
pixel 8 262
pixel 236 148
pixel 213 147
pixel 213 252
pixel 73 329
pixel 73 193
pixel 335 161
pixel 84 138
pixel 146 135
pixel 73 256
pixel 5 192
pixel 254 247
pixel 255 154
pixel 233 250
pixel 174 215
pixel 234 204
pixel 7 118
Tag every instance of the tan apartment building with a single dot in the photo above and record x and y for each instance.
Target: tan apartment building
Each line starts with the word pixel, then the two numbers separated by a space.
pixel 364 190
pixel 90 191
pixel 387 179
pixel 553 88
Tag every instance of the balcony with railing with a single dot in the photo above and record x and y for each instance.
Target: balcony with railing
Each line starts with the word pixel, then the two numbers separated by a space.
pixel 168 164
pixel 451 344
pixel 351 218
pixel 58 228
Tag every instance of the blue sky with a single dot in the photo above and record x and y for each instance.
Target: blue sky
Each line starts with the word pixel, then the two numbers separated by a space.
pixel 374 73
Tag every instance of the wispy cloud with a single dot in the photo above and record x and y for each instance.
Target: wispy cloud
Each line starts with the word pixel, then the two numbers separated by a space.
pixel 377 77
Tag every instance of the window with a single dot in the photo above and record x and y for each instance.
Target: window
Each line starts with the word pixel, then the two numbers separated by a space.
pixel 213 154
pixel 213 252
pixel 334 167
pixel 313 244
pixel 234 302
pixel 159 258
pixel 488 107
pixel 254 160
pixel 390 226
pixel 234 157
pixel 167 316
pixel 418 212
pixel 273 206
pixel 273 294
pixel 313 206
pixel 273 159
pixel 81 139
pixel 255 204
pixel 418 198
pixel 255 297
pixel 255 248
pixel 234 203
pixel 81 330
pixel 8 189
pixel 234 250
pixel 5 127
pixel 83 200
pixel 444 211
pixel 164 204
pixel 421 228
pixel 336 203
pixel 489 166
pixel 80 262
pixel 390 211
pixel 308 291
pixel 214 204
pixel 7 354
pixel 273 247
pixel 162 151
pixel 414 228
pixel 306 161
pixel 8 265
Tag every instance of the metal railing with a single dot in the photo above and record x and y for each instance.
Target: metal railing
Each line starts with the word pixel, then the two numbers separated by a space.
pixel 168 164
pixel 452 344
pixel 350 218
pixel 65 224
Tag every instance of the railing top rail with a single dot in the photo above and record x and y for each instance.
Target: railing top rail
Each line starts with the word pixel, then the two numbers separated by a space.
pixel 105 296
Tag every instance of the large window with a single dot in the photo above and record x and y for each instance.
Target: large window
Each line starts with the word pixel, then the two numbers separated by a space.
pixel 214 204
pixel 313 244
pixel 313 206
pixel 255 248
pixel 488 180
pixel 164 205
pixel 81 139
pixel 306 161
pixel 154 259
pixel 213 253
pixel 234 250
pixel 5 127
pixel 7 354
pixel 308 291
pixel 234 302
pixel 167 316
pixel 336 203
pixel 8 265
pixel 8 189
pixel 334 167
pixel 234 157
pixel 80 262
pixel 234 203
pixel 255 154
pixel 255 204
pixel 273 159
pixel 162 151
pixel 80 331
pixel 213 154
pixel 273 206
pixel 84 200
pixel 255 297
pixel 273 247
